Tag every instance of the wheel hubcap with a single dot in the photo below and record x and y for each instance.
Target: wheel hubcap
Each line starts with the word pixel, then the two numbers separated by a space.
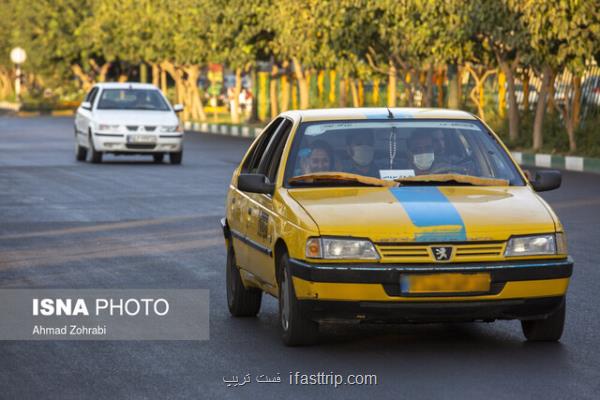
pixel 285 303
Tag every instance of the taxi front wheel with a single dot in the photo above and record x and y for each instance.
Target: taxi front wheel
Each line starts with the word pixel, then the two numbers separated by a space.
pixel 545 330
pixel 296 328
pixel 242 301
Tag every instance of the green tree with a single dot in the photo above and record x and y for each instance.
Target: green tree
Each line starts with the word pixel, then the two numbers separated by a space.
pixel 562 34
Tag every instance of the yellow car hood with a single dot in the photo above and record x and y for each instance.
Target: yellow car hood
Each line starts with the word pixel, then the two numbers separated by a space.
pixel 426 213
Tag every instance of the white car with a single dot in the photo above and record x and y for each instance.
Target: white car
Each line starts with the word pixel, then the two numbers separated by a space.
pixel 128 118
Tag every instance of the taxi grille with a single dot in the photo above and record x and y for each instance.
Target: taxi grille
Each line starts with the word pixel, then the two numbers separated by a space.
pixel 403 253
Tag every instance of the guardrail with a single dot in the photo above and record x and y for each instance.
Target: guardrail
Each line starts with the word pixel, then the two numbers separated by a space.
pixel 570 163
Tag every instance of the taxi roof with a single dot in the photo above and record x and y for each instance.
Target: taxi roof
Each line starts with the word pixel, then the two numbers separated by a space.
pixel 328 114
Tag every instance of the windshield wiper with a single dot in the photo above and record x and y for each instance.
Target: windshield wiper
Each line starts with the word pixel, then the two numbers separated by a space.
pixel 452 179
pixel 339 178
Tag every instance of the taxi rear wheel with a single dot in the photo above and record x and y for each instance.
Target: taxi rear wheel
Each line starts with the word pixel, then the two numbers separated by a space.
pixel 242 301
pixel 296 328
pixel 545 330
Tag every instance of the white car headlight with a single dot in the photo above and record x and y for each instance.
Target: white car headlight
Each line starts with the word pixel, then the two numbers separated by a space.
pixel 108 127
pixel 169 128
pixel 531 246
pixel 337 248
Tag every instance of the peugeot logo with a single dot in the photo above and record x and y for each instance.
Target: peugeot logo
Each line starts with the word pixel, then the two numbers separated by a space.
pixel 442 253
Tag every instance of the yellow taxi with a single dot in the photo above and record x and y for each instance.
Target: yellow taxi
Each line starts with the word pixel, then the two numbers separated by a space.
pixel 399 215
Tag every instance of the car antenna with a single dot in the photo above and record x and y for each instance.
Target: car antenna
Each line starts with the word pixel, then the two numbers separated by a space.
pixel 390 115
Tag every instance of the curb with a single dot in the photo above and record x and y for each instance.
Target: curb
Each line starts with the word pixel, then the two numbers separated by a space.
pixel 222 129
pixel 569 163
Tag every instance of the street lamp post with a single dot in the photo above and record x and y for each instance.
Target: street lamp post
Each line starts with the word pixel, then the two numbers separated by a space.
pixel 18 57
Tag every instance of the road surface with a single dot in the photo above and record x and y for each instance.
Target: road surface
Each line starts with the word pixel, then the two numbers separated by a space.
pixel 129 223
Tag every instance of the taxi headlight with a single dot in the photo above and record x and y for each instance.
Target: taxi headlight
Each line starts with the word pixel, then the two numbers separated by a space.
pixel 531 246
pixel 336 248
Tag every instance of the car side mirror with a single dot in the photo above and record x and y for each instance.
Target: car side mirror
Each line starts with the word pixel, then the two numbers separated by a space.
pixel 86 105
pixel 546 180
pixel 178 108
pixel 255 183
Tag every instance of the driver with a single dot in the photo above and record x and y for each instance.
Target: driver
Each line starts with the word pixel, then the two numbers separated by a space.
pixel 319 158
pixel 423 155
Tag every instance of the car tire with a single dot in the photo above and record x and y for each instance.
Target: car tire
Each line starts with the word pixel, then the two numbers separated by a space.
pixel 158 158
pixel 175 158
pixel 242 301
pixel 549 329
pixel 297 329
pixel 95 156
pixel 80 151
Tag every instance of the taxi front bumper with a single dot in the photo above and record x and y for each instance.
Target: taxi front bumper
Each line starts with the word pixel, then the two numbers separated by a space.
pixel 520 289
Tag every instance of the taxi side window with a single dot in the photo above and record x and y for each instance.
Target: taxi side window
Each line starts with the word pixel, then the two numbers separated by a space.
pixel 271 163
pixel 253 161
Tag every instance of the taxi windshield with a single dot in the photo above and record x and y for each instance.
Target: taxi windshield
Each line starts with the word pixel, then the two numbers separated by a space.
pixel 395 150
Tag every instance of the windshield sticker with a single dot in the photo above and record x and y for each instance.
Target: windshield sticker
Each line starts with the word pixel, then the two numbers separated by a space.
pixel 391 174
pixel 319 129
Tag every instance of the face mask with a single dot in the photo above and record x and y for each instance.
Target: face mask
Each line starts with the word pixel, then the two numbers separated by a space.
pixel 423 161
pixel 363 154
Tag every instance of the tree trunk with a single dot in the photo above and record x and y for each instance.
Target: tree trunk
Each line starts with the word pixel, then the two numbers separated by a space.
pixel 429 87
pixel 459 86
pixel 453 101
pixel 155 75
pixel 576 107
pixel 538 138
pixel 440 87
pixel 163 81
pixel 103 71
pixel 285 93
pixel 86 81
pixel 392 84
pixel 273 91
pixel 513 110
pixel 332 86
pixel 526 90
pixel 259 86
pixel 361 93
pixel 303 84
pixel 5 83
pixel 375 95
pixel 551 103
pixel 354 91
pixel 321 86
pixel 501 94
pixel 195 105
pixel 237 89
pixel 143 73
pixel 343 91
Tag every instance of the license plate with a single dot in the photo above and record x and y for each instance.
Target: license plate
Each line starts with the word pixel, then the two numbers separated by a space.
pixel 445 283
pixel 141 139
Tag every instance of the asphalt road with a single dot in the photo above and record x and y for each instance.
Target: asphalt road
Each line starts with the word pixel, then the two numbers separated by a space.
pixel 128 223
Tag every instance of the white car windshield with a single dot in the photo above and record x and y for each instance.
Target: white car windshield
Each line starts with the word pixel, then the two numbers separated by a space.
pixel 399 150
pixel 132 99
